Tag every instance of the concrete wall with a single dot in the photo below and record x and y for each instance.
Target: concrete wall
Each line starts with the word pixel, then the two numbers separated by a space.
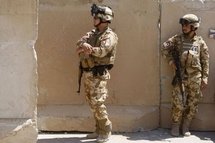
pixel 18 91
pixel 134 87
pixel 140 86
pixel 170 26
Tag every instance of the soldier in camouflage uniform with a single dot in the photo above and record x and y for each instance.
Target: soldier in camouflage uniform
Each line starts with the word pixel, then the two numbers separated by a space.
pixel 97 51
pixel 194 61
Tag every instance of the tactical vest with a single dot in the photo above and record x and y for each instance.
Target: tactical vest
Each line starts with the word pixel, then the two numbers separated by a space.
pixel 190 55
pixel 94 40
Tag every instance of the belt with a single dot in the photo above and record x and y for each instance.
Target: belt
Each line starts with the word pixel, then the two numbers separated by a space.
pixel 98 70
pixel 109 67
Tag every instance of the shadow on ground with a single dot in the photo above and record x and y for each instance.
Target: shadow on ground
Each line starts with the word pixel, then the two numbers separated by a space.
pixel 63 137
pixel 158 136
pixel 66 140
pixel 205 135
pixel 61 140
pixel 163 135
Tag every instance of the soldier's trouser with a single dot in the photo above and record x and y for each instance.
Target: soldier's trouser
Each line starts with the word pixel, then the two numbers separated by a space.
pixel 193 95
pixel 96 94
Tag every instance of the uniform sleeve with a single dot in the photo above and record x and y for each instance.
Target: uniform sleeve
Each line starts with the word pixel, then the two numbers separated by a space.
pixel 167 48
pixel 83 39
pixel 108 42
pixel 204 58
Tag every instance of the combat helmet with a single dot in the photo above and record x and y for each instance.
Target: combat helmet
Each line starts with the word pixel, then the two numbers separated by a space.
pixel 190 19
pixel 105 13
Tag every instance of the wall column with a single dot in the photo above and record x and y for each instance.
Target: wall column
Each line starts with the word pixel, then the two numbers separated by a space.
pixel 18 71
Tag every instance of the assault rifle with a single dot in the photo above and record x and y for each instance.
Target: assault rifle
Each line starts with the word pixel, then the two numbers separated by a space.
pixel 178 75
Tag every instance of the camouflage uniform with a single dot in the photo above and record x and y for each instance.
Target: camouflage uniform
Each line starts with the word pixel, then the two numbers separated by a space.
pixel 194 58
pixel 103 57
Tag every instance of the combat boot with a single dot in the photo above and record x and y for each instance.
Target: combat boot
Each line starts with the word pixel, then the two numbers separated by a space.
pixel 175 129
pixel 93 135
pixel 185 127
pixel 103 138
pixel 105 127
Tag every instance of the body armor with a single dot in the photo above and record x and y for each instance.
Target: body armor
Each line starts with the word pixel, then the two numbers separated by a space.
pixel 95 39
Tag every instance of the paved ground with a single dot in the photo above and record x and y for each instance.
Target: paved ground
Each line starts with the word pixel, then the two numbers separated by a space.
pixel 155 136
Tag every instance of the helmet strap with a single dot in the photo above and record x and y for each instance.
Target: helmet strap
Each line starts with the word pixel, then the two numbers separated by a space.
pixel 191 32
pixel 193 28
pixel 100 21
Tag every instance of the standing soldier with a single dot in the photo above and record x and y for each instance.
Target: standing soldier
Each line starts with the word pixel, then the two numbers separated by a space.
pixel 191 72
pixel 97 51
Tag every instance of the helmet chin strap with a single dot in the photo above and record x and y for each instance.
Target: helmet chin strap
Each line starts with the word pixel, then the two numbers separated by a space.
pixel 188 33
pixel 193 29
pixel 97 24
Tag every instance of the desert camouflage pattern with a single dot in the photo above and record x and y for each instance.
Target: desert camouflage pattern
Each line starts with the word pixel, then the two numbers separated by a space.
pixel 96 86
pixel 96 94
pixel 105 51
pixel 193 96
pixel 194 58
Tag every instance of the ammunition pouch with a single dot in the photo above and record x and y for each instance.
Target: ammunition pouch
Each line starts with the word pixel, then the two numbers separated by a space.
pixel 99 70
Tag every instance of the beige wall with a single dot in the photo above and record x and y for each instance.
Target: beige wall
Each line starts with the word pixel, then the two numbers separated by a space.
pixel 18 71
pixel 170 26
pixel 134 87
pixel 60 26
pixel 140 77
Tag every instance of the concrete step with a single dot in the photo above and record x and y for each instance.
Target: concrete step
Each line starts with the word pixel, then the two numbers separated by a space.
pixel 79 118
pixel 18 131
